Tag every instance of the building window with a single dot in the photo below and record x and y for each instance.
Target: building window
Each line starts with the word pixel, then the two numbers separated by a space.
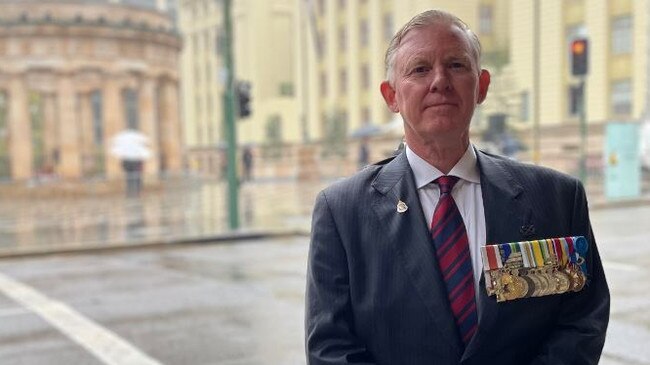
pixel 5 167
pixel 364 35
pixel 576 95
pixel 286 89
pixel 365 76
pixel 342 4
pixel 98 125
pixel 342 38
pixel 130 99
pixel 622 97
pixel 343 81
pixel 365 115
pixel 524 110
pixel 388 27
pixel 36 117
pixel 219 42
pixel 320 45
pixel 323 84
pixel 485 19
pixel 622 35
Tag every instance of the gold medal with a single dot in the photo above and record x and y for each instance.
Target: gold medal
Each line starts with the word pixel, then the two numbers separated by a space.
pixel 546 284
pixel 514 287
pixel 552 283
pixel 537 291
pixel 579 279
pixel 530 286
pixel 562 281
pixel 541 285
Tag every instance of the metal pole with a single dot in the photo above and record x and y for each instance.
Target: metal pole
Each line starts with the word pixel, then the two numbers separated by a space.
pixel 229 119
pixel 303 70
pixel 536 71
pixel 583 130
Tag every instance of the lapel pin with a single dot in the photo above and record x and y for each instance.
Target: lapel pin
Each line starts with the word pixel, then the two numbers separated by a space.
pixel 401 207
pixel 527 230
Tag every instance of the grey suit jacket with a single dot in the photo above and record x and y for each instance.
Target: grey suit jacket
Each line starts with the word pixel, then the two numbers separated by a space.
pixel 375 294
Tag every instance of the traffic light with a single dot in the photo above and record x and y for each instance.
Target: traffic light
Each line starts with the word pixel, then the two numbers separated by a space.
pixel 244 98
pixel 579 57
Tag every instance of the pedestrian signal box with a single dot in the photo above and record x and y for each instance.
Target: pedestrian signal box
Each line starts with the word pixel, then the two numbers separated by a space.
pixel 579 57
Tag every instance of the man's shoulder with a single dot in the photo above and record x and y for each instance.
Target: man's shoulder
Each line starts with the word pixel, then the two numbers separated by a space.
pixel 359 183
pixel 528 171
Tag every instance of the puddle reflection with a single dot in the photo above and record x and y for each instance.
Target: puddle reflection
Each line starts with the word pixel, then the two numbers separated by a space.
pixel 192 210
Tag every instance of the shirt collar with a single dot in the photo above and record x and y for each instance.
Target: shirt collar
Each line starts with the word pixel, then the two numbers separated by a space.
pixel 466 168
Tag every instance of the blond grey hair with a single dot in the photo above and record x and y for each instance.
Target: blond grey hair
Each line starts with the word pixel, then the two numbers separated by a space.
pixel 424 19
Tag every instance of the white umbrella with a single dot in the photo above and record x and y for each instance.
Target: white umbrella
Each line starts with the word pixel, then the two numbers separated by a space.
pixel 130 145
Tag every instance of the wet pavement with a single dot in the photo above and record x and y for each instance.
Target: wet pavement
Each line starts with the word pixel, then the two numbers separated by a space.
pixel 193 209
pixel 251 292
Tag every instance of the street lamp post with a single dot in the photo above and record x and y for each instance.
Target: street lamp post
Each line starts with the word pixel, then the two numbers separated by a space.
pixel 229 118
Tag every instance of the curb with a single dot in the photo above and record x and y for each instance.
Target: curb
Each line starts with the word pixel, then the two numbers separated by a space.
pixel 225 238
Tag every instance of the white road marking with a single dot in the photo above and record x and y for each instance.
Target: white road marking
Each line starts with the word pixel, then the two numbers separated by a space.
pixel 102 343
pixel 621 266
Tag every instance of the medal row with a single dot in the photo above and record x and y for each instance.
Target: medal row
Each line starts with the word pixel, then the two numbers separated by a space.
pixel 535 268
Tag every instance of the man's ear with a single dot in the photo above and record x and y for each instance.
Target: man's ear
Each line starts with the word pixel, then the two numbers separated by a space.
pixel 388 93
pixel 483 85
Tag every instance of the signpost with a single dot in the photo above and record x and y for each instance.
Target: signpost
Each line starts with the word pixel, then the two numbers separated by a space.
pixel 580 68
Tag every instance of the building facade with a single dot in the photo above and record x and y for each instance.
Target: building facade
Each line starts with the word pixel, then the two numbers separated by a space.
pixel 73 74
pixel 351 38
pixel 548 98
pixel 265 56
pixel 316 66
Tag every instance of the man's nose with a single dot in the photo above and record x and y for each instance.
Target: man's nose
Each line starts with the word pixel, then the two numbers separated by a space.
pixel 440 80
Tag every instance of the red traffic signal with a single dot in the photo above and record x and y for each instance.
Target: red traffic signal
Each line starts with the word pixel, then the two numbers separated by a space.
pixel 579 57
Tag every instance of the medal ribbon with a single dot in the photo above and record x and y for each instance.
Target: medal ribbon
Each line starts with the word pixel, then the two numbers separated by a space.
pixel 537 252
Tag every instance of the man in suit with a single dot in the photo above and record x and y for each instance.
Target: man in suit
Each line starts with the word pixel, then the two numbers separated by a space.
pixel 381 287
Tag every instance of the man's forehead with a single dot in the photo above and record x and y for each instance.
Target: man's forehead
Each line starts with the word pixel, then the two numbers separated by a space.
pixel 427 50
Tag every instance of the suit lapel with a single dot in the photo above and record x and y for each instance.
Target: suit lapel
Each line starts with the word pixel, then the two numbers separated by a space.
pixel 410 234
pixel 506 215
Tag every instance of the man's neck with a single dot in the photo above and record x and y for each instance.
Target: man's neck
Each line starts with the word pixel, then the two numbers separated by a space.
pixel 442 157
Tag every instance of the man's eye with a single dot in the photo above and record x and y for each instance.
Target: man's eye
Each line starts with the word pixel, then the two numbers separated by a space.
pixel 457 65
pixel 420 69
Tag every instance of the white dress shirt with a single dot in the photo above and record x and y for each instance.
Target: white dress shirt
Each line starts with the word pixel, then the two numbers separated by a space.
pixel 466 194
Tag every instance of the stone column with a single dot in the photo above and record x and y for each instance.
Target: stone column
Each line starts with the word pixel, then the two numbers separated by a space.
pixel 69 150
pixel 149 125
pixel 20 133
pixel 170 136
pixel 87 134
pixel 113 119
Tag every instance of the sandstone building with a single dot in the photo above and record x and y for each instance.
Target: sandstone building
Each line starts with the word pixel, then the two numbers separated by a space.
pixel 75 73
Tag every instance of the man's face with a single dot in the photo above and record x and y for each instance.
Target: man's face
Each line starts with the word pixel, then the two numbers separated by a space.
pixel 436 85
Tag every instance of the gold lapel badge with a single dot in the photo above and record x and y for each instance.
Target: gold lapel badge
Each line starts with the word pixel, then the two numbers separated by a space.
pixel 401 207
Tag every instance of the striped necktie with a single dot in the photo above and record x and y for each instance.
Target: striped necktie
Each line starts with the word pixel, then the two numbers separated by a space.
pixel 452 250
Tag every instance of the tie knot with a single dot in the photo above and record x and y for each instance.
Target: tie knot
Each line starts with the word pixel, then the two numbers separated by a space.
pixel 446 183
